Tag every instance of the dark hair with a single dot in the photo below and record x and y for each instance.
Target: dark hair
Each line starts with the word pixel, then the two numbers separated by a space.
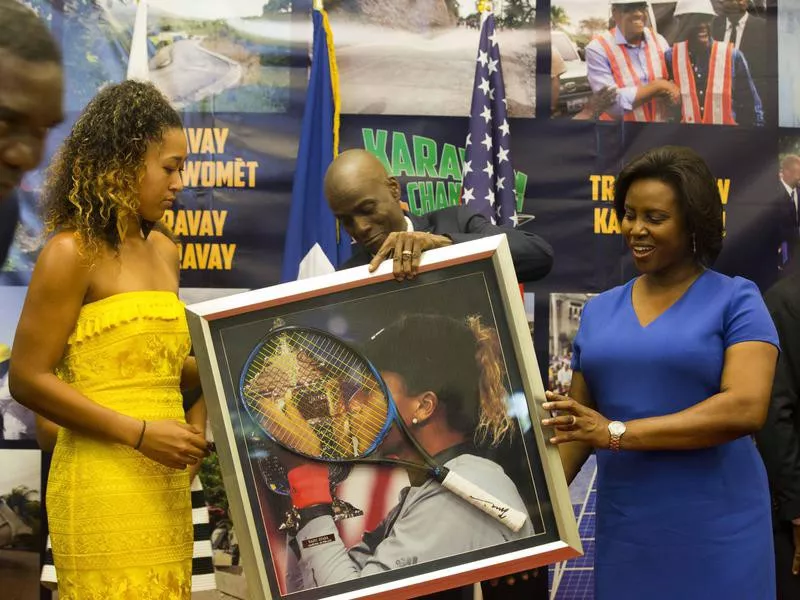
pixel 695 189
pixel 460 361
pixel 25 35
pixel 92 186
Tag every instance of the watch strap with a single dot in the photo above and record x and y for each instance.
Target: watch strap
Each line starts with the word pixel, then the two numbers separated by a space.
pixel 309 513
pixel 616 429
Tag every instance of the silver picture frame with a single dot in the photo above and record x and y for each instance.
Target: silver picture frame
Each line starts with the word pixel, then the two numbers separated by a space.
pixel 475 277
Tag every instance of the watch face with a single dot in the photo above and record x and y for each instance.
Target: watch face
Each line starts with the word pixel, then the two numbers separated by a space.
pixel 616 428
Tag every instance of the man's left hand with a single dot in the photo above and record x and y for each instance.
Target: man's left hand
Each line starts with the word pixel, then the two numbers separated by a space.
pixel 575 422
pixel 406 249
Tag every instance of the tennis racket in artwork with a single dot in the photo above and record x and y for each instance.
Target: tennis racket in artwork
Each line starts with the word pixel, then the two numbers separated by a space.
pixel 318 397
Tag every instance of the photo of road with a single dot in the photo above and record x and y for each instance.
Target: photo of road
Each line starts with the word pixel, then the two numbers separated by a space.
pixel 210 57
pixel 194 73
pixel 418 58
pixel 206 56
pixel 395 57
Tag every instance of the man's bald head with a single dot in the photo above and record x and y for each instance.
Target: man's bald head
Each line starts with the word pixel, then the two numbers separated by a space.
pixel 364 197
pixel 790 170
pixel 353 166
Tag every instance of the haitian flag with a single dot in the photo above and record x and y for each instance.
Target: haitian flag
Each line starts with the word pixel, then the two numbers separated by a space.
pixel 315 244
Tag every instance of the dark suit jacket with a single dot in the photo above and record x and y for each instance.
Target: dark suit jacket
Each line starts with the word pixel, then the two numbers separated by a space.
pixel 533 257
pixel 9 216
pixel 755 234
pixel 779 440
pixel 754 46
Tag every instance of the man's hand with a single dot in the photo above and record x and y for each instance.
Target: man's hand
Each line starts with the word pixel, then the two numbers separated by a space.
pixel 602 100
pixel 406 249
pixel 597 104
pixel 670 91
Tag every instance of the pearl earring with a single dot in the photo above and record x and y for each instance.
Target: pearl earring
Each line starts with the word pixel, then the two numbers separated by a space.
pixel 414 421
pixel 694 245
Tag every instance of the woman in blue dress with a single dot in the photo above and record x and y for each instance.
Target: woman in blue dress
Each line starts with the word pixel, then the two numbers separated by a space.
pixel 671 375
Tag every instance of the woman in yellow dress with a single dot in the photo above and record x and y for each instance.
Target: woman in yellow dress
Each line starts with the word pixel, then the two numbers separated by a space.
pixel 102 348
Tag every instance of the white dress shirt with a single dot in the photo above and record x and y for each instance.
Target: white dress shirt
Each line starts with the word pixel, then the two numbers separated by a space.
pixel 792 194
pixel 739 30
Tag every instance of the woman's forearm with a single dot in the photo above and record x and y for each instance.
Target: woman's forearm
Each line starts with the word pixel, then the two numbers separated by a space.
pixel 190 376
pixel 719 419
pixel 573 456
pixel 197 415
pixel 48 396
pixel 46 433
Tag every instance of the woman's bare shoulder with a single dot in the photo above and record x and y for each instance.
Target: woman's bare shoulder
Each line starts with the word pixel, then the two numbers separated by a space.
pixel 63 267
pixel 166 245
pixel 64 250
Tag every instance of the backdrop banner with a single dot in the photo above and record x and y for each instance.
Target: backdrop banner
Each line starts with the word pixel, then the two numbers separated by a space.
pixel 237 71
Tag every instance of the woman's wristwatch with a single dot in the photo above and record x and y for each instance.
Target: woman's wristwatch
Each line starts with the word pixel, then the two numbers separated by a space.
pixel 616 429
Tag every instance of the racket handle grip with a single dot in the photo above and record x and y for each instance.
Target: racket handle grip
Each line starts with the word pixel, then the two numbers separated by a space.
pixel 510 517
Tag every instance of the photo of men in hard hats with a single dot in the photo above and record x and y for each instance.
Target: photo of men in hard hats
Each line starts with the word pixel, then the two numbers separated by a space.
pixel 630 57
pixel 675 61
pixel 714 79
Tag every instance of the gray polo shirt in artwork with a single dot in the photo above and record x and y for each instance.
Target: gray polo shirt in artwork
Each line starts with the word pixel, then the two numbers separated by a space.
pixel 427 524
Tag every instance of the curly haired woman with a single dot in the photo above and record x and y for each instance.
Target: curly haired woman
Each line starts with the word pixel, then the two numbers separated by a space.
pixel 102 348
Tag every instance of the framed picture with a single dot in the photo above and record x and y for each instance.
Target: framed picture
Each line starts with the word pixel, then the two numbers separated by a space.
pixel 360 372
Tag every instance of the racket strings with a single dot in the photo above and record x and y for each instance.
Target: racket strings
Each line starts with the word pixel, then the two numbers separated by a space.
pixel 315 396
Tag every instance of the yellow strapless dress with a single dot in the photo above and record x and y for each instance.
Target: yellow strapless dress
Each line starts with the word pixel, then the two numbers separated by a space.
pixel 120 523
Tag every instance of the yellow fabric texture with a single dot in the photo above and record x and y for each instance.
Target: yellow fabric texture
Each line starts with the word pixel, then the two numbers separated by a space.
pixel 120 523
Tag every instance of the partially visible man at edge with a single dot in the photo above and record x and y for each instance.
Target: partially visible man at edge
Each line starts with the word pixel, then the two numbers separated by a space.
pixel 31 91
pixel 779 439
pixel 366 200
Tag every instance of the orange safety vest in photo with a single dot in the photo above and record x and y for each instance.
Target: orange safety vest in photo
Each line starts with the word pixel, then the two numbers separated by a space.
pixel 625 75
pixel 717 109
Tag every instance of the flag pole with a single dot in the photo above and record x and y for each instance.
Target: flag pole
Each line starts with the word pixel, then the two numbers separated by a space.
pixel 319 5
pixel 313 243
pixel 485 9
pixel 138 60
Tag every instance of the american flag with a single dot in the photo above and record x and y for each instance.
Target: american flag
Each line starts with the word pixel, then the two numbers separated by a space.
pixel 488 185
